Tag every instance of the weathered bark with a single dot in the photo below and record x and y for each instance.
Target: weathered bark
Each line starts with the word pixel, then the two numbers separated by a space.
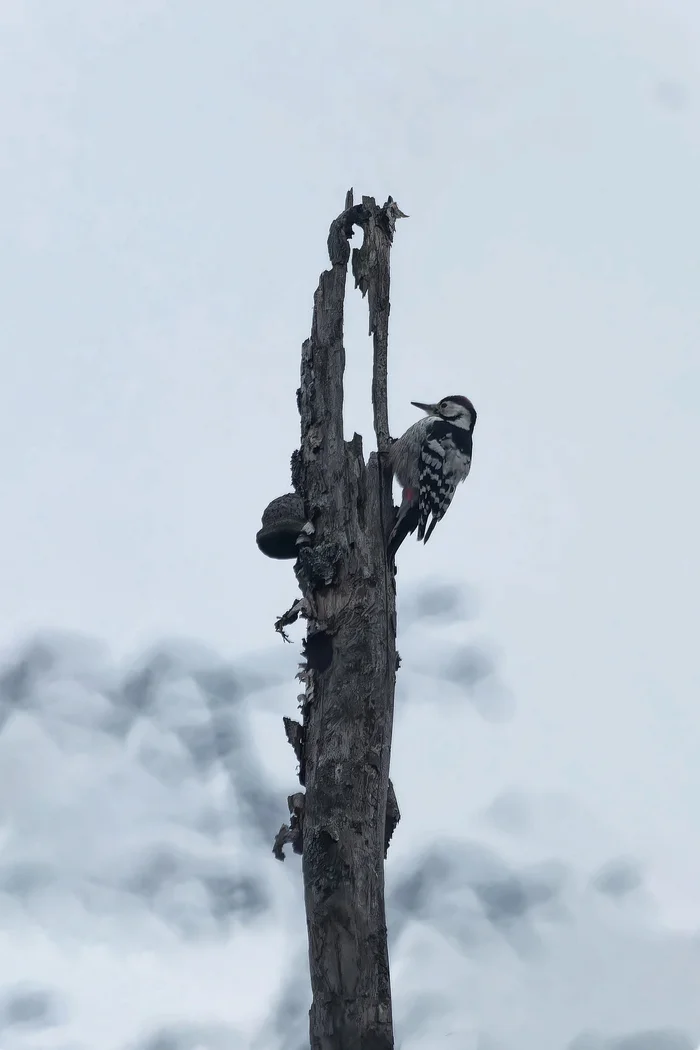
pixel 350 650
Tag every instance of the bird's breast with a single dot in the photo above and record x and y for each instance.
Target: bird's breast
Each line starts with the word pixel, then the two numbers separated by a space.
pixel 457 462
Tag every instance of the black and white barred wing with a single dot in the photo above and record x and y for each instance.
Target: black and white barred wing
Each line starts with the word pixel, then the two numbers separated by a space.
pixel 436 488
pixel 442 467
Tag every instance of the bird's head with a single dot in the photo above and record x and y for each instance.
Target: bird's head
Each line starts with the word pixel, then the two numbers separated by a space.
pixel 454 409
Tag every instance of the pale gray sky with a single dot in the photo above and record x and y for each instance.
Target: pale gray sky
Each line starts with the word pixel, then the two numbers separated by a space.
pixel 169 171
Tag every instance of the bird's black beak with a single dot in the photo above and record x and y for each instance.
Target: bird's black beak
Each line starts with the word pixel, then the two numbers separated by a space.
pixel 430 409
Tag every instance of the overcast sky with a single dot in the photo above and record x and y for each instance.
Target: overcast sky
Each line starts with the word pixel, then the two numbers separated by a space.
pixel 168 172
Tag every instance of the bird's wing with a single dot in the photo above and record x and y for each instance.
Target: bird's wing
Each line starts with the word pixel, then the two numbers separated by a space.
pixel 436 487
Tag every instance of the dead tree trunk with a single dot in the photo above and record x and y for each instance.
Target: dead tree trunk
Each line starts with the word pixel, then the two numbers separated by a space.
pixel 343 824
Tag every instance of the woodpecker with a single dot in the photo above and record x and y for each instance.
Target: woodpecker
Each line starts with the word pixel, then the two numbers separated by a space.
pixel 429 461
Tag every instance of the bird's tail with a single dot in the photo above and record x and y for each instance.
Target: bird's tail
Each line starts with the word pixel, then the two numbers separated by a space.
pixel 406 521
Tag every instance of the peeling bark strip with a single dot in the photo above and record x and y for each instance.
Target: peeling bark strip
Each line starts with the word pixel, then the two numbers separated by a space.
pixel 292 832
pixel 393 816
pixel 350 651
pixel 295 736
